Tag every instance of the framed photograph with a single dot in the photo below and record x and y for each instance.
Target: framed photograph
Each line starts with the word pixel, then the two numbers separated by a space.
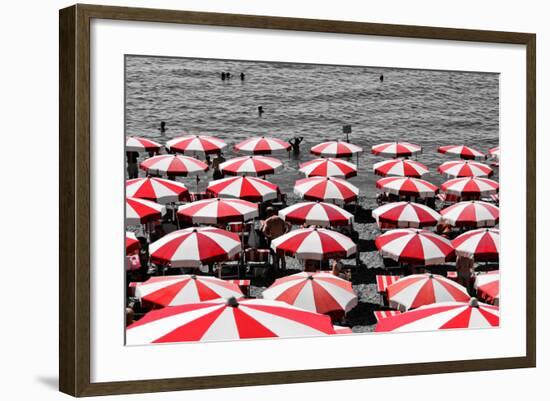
pixel 249 200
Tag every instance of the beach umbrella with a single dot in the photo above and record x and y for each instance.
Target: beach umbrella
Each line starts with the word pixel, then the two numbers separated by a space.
pixel 194 247
pixel 136 144
pixel 173 165
pixel 141 211
pixel 218 211
pixel 445 315
pixel 482 245
pixel 406 214
pixel 416 290
pixel 314 244
pixel 196 144
pixel 407 186
pixel 262 146
pixel 248 188
pixel 396 149
pixel 329 167
pixel 495 152
pixel 342 330
pixel 185 289
pixel 465 152
pixel 465 168
pixel 251 165
pixel 487 286
pixel 471 214
pixel 413 246
pixel 470 187
pixel 132 243
pixel 400 167
pixel 316 213
pixel 326 189
pixel 157 190
pixel 230 319
pixel 317 292
pixel 336 149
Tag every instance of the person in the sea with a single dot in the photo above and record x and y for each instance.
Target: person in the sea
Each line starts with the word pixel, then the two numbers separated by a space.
pixel 223 76
pixel 162 128
pixel 242 76
pixel 228 75
pixel 131 160
pixel 381 77
pixel 260 111
pixel 295 143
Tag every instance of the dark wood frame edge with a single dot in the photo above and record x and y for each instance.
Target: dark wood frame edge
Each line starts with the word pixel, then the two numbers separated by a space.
pixel 74 199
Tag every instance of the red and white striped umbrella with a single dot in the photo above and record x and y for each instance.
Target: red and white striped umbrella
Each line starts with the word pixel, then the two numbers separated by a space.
pixel 471 214
pixel 406 214
pixel 262 146
pixel 407 186
pixel 185 289
pixel 248 188
pixel 328 168
pixel 417 247
pixel 157 190
pixel 194 247
pixel 487 286
pixel 251 165
pixel 132 243
pixel 465 168
pixel 176 165
pixel 342 330
pixel 417 290
pixel 227 320
pixel 336 149
pixel 316 213
pixel 495 152
pixel 141 211
pixel 136 144
pixel 316 292
pixel 396 149
pixel 400 167
pixel 465 152
pixel 442 316
pixel 314 243
pixel 326 189
pixel 481 245
pixel 218 211
pixel 196 144
pixel 470 187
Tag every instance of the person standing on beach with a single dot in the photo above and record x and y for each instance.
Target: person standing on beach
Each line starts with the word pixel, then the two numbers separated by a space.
pixel 131 160
pixel 274 227
pixel 260 111
pixel 295 143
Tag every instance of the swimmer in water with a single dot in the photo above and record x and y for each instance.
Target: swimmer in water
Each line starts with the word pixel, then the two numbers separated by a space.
pixel 295 143
pixel 162 128
pixel 381 77
pixel 260 111
pixel 223 76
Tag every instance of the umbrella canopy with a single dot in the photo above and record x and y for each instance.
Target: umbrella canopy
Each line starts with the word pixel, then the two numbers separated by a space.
pixel 173 165
pixel 470 187
pixel 465 152
pixel 262 146
pixel 248 188
pixel 328 168
pixel 132 243
pixel 157 190
pixel 471 214
pixel 336 149
pixel 444 315
pixel 194 247
pixel 342 330
pixel 314 244
pixel 487 286
pixel 185 289
pixel 396 149
pixel 482 245
pixel 326 189
pixel 251 165
pixel 196 144
pixel 316 292
pixel 407 186
pixel 141 211
pixel 136 144
pixel 495 152
pixel 400 167
pixel 316 213
pixel 227 320
pixel 465 168
pixel 423 289
pixel 417 247
pixel 406 214
pixel 218 211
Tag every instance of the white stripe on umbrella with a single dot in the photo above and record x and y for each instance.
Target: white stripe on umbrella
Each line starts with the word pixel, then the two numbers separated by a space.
pixel 488 286
pixel 400 167
pixel 218 211
pixel 141 211
pixel 196 144
pixel 406 214
pixel 407 186
pixel 316 213
pixel 136 144
pixel 481 245
pixel 248 188
pixel 157 190
pixel 470 187
pixel 465 168
pixel 465 152
pixel 336 149
pixel 176 165
pixel 329 167
pixel 222 319
pixel 251 165
pixel 471 214
pixel 326 189
pixel 396 149
pixel 342 330
pixel 262 146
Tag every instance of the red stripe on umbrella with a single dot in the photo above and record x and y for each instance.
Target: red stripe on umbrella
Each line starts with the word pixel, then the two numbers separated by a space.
pixel 132 243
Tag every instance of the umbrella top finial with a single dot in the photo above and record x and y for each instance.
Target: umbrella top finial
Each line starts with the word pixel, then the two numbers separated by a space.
pixel 310 277
pixel 193 277
pixel 474 303
pixel 232 302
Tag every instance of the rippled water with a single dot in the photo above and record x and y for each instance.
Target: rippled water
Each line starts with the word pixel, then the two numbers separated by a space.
pixel 430 108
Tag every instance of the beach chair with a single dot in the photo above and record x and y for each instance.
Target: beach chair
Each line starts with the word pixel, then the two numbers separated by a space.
pixel 382 284
pixel 258 262
pixel 384 314
pixel 244 285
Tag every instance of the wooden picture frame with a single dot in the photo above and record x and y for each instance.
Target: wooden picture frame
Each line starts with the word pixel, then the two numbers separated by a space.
pixel 75 207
